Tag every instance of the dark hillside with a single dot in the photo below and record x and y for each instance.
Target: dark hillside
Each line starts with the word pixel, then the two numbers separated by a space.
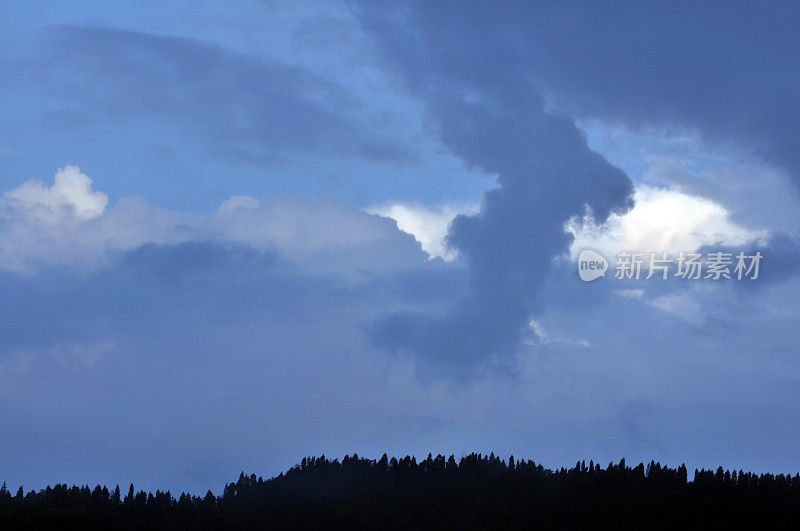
pixel 476 491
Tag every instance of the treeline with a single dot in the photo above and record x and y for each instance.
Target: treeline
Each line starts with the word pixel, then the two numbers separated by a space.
pixel 475 491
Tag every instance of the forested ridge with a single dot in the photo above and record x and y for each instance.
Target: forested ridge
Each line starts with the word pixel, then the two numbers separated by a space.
pixel 476 491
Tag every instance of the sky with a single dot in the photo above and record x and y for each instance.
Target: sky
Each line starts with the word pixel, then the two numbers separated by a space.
pixel 235 234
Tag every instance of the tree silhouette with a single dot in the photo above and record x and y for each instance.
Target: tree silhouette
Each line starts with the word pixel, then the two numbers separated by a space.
pixel 475 491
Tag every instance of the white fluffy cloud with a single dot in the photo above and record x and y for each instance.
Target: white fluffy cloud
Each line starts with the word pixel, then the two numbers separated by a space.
pixel 662 219
pixel 70 194
pixel 428 226
pixel 67 223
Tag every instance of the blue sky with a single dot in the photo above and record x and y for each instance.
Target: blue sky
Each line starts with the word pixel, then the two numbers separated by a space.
pixel 236 234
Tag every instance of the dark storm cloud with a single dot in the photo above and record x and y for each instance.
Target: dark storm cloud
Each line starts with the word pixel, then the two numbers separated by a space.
pixel 490 115
pixel 728 69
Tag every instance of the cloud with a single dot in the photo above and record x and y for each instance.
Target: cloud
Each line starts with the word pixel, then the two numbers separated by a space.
pixel 38 237
pixel 682 305
pixel 245 108
pixel 541 337
pixel 168 116
pixel 428 226
pixel 238 202
pixel 483 72
pixel 727 73
pixel 146 306
pixel 488 113
pixel 661 220
pixel 180 335
pixel 68 224
pixel 70 194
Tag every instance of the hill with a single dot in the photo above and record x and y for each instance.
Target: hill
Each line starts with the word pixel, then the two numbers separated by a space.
pixel 437 492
